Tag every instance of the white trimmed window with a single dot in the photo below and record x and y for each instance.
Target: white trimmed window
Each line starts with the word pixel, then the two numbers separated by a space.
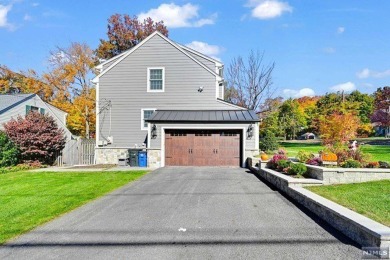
pixel 156 79
pixel 145 114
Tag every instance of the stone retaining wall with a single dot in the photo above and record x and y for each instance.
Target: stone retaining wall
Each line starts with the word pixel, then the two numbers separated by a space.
pixel 359 228
pixel 347 175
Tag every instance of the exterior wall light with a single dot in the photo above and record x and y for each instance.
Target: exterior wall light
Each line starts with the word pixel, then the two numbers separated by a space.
pixel 153 132
pixel 249 132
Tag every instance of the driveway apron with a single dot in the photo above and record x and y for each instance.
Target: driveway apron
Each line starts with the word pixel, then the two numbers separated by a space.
pixel 186 213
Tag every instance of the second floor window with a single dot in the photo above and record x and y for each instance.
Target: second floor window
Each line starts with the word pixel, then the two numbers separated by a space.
pixel 156 79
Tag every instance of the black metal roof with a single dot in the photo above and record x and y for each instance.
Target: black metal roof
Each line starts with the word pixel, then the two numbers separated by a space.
pixel 203 116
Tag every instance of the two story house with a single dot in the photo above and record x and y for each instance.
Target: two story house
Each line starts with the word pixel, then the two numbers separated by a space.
pixel 166 98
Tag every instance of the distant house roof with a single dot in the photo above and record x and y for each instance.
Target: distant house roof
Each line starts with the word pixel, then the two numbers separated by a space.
pixel 9 101
pixel 230 116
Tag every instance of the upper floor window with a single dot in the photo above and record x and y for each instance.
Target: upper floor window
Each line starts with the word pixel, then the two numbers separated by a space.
pixel 156 78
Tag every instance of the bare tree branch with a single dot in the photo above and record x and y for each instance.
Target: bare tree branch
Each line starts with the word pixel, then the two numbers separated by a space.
pixel 249 83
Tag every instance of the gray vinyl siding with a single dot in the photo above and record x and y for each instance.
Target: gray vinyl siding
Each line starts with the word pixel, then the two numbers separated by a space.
pixel 207 63
pixel 21 110
pixel 61 115
pixel 125 85
pixel 108 64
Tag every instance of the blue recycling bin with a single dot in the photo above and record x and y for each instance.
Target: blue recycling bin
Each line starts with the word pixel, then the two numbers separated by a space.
pixel 142 159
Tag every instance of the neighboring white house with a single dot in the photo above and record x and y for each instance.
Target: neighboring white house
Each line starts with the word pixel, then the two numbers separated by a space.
pixel 12 106
pixel 168 99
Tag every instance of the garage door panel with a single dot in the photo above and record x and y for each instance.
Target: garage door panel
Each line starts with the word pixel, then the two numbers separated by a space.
pixel 202 148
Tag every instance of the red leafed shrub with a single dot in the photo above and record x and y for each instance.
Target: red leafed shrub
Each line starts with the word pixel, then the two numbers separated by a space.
pixel 273 163
pixel 37 136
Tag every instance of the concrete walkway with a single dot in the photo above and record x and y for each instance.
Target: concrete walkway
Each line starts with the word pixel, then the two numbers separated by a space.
pixel 186 213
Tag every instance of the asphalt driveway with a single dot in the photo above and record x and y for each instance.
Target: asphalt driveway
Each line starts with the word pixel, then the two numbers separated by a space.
pixel 186 213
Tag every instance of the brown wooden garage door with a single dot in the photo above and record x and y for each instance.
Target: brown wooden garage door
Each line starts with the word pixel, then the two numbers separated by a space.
pixel 202 148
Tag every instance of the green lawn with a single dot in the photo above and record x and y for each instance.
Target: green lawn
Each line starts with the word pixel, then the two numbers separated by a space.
pixel 378 152
pixel 371 199
pixel 29 199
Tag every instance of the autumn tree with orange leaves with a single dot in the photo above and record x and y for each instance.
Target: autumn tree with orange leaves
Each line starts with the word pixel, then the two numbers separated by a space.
pixel 338 128
pixel 70 71
pixel 124 32
pixel 12 82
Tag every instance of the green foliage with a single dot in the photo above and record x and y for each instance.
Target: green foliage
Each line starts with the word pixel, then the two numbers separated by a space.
pixel 304 156
pixel 283 164
pixel 21 167
pixel 269 142
pixel 369 198
pixel 273 163
pixel 364 104
pixel 270 124
pixel 384 165
pixel 297 169
pixel 350 163
pixel 29 200
pixel 291 118
pixel 9 152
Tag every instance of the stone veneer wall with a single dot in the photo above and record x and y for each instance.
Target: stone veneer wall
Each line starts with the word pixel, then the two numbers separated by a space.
pixel 154 158
pixel 347 175
pixel 111 156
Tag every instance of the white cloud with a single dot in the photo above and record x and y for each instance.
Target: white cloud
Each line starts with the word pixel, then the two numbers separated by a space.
pixel 35 4
pixel 205 48
pixel 340 30
pixel 4 9
pixel 176 16
pixel 58 57
pixel 304 92
pixel 347 87
pixel 268 9
pixel 367 73
pixel 329 50
pixel 27 17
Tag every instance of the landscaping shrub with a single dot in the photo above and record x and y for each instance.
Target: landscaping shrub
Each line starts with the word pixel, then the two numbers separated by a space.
pixel 316 161
pixel 384 164
pixel 283 165
pixel 37 136
pixel 348 154
pixel 372 165
pixel 9 152
pixel 282 151
pixel 21 167
pixel 304 156
pixel 269 142
pixel 297 169
pixel 273 163
pixel 350 163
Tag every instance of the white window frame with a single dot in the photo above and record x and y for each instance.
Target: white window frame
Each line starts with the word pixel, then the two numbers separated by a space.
pixel 143 119
pixel 163 79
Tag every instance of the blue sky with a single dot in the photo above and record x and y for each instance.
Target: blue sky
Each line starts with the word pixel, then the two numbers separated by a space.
pixel 318 46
